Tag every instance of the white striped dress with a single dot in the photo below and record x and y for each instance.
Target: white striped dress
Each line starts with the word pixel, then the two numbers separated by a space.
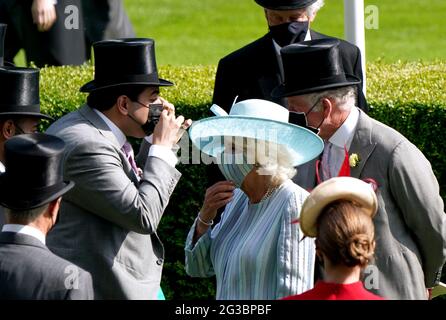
pixel 255 251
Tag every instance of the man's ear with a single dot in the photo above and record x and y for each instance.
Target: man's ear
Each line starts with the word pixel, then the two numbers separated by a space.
pixel 327 104
pixel 122 104
pixel 8 129
pixel 53 209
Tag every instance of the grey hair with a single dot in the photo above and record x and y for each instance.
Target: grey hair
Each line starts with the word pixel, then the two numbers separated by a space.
pixel 26 216
pixel 314 8
pixel 273 159
pixel 345 98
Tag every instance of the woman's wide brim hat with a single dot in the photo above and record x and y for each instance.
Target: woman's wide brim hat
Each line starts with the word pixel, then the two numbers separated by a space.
pixel 20 92
pixel 334 189
pixel 312 66
pixel 34 172
pixel 124 62
pixel 255 119
pixel 285 4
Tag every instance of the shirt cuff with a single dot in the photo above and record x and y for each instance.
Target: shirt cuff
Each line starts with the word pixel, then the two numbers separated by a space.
pixel 164 153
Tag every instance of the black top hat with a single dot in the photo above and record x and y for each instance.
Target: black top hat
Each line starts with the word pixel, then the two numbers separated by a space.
pixel 312 66
pixel 285 4
pixel 20 92
pixel 33 175
pixel 2 42
pixel 124 62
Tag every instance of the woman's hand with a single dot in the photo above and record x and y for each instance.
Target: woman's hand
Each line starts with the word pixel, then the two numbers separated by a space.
pixel 217 196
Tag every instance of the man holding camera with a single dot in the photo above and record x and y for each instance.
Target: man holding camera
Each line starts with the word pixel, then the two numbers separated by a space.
pixel 108 221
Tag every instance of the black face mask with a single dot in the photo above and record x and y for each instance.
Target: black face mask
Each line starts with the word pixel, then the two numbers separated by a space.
pixel 300 119
pixel 290 32
pixel 155 110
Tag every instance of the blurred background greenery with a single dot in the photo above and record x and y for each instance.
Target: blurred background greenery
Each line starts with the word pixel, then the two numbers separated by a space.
pixel 201 32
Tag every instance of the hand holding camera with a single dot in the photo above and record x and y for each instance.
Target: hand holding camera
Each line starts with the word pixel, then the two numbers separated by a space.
pixel 168 129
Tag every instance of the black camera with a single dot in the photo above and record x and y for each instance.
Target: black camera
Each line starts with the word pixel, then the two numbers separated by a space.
pixel 155 110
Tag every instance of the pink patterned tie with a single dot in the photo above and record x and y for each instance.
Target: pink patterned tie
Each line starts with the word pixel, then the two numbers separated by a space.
pixel 128 151
pixel 326 172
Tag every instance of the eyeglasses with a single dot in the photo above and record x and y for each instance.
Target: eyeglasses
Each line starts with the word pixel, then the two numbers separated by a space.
pixel 155 110
pixel 300 118
pixel 20 130
pixel 144 105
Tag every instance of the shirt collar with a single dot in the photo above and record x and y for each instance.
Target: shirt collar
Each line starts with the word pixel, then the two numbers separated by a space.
pixel 277 47
pixel 344 135
pixel 2 167
pixel 28 230
pixel 120 136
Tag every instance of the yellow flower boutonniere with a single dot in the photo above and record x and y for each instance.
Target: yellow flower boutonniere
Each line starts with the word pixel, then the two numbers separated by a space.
pixel 354 160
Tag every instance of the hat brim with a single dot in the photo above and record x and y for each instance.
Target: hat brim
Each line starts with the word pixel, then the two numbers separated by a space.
pixel 208 135
pixel 284 7
pixel 345 188
pixel 26 114
pixel 9 199
pixel 282 91
pixel 93 85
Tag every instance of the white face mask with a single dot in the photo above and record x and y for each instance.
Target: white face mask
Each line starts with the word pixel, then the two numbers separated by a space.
pixel 234 167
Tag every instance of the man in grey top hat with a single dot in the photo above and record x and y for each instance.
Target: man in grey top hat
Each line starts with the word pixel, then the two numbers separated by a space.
pixel 19 107
pixel 410 224
pixel 109 220
pixel 31 190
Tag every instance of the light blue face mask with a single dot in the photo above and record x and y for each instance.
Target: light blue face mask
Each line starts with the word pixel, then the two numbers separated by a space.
pixel 234 167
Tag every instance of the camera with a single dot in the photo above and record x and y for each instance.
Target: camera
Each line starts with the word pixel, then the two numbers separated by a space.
pixel 155 110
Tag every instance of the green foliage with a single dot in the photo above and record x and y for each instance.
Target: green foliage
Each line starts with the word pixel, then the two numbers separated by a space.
pixel 410 97
pixel 201 32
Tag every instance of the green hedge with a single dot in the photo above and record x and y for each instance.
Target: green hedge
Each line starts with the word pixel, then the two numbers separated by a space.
pixel 411 97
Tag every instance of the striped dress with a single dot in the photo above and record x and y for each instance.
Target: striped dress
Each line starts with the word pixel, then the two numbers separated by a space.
pixel 255 251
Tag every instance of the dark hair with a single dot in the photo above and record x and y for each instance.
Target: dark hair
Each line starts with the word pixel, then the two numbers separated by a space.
pixel 26 216
pixel 346 234
pixel 104 99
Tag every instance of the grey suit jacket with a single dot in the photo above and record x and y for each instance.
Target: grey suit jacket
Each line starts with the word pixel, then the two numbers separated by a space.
pixel 108 221
pixel 410 225
pixel 28 271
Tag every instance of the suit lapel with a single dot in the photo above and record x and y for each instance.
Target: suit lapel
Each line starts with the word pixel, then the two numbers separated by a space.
pixel 316 35
pixel 362 143
pixel 91 116
pixel 270 77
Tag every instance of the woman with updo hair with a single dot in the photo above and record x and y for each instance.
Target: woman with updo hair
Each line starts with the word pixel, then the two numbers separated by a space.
pixel 339 214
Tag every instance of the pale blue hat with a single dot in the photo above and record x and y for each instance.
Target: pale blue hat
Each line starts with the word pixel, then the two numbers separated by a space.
pixel 255 119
